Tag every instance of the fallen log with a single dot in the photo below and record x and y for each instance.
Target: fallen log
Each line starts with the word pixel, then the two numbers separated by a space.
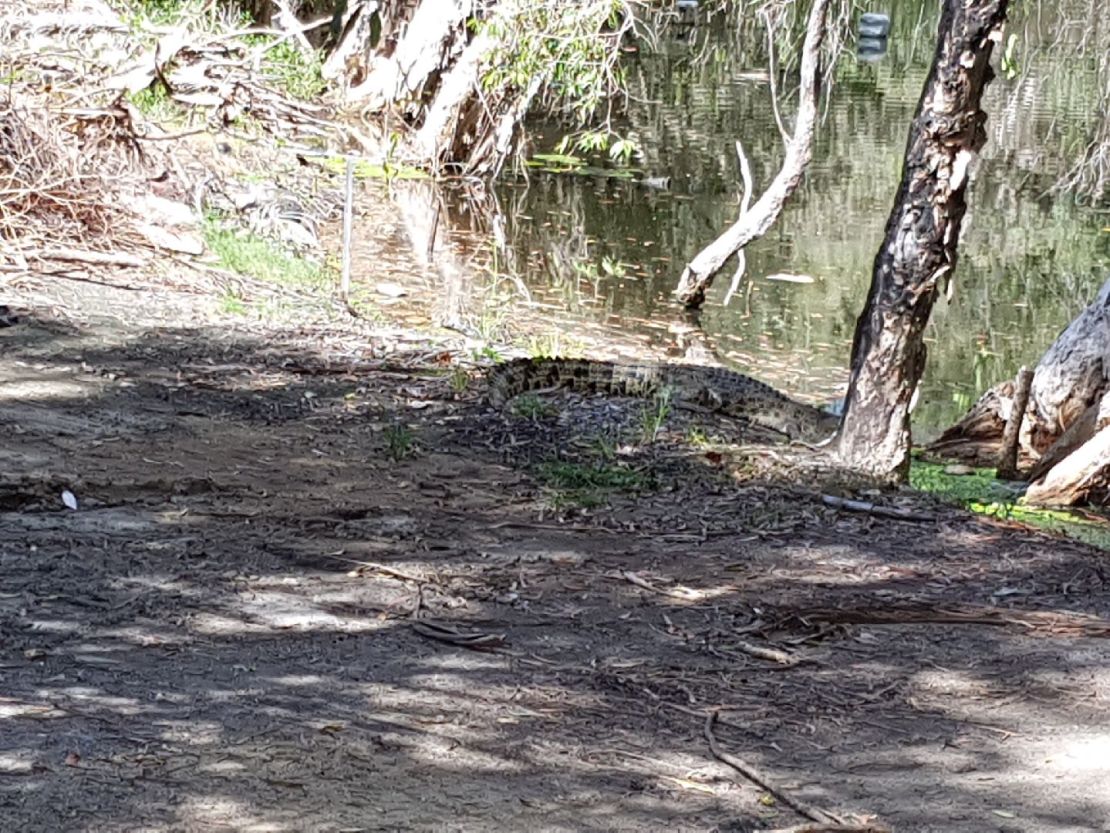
pixel 1082 477
pixel 1076 469
pixel 1068 383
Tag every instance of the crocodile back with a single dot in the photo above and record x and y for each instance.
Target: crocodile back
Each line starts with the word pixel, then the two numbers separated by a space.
pixel 715 388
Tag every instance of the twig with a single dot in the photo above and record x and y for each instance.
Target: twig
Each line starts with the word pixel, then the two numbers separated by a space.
pixel 873 509
pixel 827 828
pixel 758 651
pixel 761 780
pixel 628 575
pixel 348 221
pixel 378 568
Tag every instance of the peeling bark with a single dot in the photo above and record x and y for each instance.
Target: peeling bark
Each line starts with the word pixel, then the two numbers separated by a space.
pixel 421 51
pixel 918 252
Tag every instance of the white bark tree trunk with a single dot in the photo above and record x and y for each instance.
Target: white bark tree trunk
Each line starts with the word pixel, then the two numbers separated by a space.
pixel 1073 374
pixel 420 52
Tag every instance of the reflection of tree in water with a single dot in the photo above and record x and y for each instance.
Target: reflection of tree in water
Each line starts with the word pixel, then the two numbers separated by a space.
pixel 458 237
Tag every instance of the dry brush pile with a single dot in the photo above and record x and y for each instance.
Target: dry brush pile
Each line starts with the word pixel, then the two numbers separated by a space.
pixel 87 179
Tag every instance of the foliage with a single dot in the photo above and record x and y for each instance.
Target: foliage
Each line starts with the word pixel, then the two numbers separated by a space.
pixel 400 441
pixel 291 69
pixel 654 414
pixel 569 51
pixel 587 484
pixel 156 104
pixel 365 169
pixel 983 494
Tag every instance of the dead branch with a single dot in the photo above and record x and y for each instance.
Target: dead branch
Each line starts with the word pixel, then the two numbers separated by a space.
pixel 874 509
pixel 761 780
pixel 752 225
pixel 1007 463
pixel 828 828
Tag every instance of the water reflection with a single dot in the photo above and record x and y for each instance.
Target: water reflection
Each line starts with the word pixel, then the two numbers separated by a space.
pixel 611 248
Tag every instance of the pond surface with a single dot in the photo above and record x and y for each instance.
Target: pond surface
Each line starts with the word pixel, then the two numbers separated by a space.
pixel 611 248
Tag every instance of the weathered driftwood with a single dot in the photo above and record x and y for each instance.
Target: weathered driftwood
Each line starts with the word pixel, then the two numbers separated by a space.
pixel 1073 374
pixel 1068 384
pixel 976 439
pixel 754 223
pixel 1077 434
pixel 1082 475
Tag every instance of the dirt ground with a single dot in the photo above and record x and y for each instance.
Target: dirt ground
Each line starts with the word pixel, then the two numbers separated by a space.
pixel 312 583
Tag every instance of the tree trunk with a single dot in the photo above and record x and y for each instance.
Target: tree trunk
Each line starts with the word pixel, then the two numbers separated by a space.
pixel 422 50
pixel 919 246
pixel 1072 374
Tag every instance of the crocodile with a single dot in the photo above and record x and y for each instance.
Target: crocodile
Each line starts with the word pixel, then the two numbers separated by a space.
pixel 713 388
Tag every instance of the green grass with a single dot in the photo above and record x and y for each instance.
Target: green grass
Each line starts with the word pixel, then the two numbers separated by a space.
pixel 248 254
pixel 983 494
pixel 285 65
pixel 400 441
pixel 293 71
pixel 157 105
pixel 654 413
pixel 588 485
pixel 459 380
pixel 979 487
pixel 232 304
pixel 530 406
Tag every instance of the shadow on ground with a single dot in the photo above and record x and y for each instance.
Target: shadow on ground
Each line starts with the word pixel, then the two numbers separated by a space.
pixel 233 629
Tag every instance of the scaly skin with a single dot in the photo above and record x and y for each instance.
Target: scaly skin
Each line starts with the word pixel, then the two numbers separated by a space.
pixel 714 388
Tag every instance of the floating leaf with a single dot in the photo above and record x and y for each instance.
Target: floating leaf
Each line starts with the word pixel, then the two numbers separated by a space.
pixel 786 277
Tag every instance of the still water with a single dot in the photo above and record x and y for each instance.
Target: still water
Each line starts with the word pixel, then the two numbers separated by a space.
pixel 611 249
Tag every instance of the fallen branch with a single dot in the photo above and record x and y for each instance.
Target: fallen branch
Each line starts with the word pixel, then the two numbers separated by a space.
pixel 827 828
pixel 473 640
pixel 762 781
pixel 873 509
pixel 759 652
pixel 80 256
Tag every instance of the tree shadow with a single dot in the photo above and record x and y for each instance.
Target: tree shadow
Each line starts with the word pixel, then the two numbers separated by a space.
pixel 222 635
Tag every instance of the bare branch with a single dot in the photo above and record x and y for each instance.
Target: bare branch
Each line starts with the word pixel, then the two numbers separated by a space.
pixel 699 273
